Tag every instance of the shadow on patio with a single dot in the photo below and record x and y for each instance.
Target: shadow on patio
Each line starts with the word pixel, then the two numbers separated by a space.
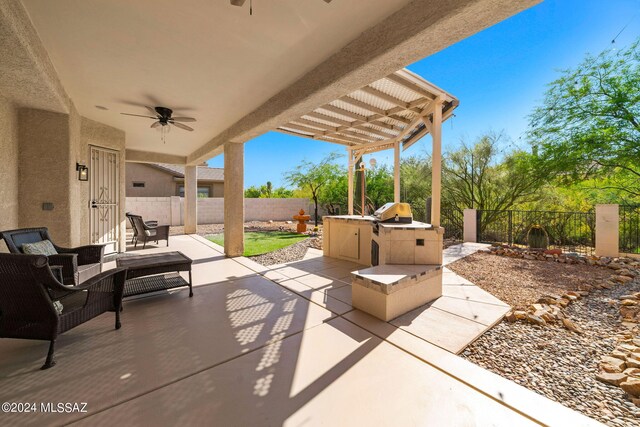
pixel 247 351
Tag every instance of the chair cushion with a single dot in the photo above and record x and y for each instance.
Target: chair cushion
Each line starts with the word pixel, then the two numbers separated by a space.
pixel 43 247
pixel 86 272
pixel 150 233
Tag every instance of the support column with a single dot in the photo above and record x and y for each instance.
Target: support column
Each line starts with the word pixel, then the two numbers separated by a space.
pixel 233 199
pixel 190 199
pixel 436 155
pixel 396 172
pixel 350 182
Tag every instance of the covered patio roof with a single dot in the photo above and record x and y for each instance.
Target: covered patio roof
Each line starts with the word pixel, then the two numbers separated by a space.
pixel 376 116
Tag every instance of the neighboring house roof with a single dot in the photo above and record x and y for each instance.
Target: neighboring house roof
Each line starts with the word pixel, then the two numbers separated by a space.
pixel 205 173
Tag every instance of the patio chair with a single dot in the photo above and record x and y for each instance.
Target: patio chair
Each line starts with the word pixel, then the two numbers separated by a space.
pixel 35 305
pixel 151 223
pixel 147 233
pixel 78 264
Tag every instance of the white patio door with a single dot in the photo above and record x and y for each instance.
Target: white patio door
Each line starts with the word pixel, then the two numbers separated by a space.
pixel 104 183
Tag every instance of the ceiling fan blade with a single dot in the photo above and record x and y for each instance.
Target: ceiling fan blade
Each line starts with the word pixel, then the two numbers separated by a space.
pixel 181 126
pixel 237 2
pixel 183 119
pixel 138 115
pixel 155 124
pixel 151 110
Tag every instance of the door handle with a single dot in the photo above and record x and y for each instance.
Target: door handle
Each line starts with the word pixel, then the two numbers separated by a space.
pixel 94 204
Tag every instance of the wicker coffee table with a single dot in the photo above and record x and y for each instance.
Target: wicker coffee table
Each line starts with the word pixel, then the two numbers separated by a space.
pixel 146 273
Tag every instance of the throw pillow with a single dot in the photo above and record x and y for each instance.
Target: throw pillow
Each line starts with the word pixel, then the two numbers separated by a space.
pixel 44 247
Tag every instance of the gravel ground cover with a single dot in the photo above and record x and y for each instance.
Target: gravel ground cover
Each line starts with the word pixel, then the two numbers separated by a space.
pixel 520 282
pixel 551 360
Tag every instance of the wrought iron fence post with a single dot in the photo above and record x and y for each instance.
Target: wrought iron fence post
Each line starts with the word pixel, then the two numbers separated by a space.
pixel 510 231
pixel 478 225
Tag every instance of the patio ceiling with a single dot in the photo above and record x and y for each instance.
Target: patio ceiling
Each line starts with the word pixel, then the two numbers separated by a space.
pixel 205 59
pixel 375 117
pixel 239 75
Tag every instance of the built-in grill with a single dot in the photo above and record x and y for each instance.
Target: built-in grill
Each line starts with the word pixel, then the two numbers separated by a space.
pixel 394 212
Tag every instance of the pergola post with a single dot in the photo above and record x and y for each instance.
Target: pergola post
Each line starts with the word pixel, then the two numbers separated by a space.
pixel 396 172
pixel 350 182
pixel 436 170
pixel 233 199
pixel 190 199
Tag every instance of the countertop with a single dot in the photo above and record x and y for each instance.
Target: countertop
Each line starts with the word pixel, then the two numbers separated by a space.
pixel 391 225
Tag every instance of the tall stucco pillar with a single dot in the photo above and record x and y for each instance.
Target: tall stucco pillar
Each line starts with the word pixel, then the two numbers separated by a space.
pixel 233 199
pixel 607 230
pixel 190 199
pixel 470 225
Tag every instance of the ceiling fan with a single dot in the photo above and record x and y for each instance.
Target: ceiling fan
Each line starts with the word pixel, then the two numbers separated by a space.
pixel 163 118
pixel 241 2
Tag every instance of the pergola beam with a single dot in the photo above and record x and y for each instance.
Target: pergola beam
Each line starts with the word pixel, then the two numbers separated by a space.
pixel 421 103
pixel 336 141
pixel 326 118
pixel 385 97
pixel 396 78
pixel 363 105
pixel 366 138
pixel 311 123
pixel 344 112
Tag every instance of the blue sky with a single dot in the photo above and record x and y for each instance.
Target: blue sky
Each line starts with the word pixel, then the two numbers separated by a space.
pixel 499 75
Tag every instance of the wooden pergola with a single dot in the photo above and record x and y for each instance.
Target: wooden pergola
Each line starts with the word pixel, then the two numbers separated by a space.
pixel 393 112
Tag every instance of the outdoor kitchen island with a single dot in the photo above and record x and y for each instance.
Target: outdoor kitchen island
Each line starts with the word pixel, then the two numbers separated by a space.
pixel 404 259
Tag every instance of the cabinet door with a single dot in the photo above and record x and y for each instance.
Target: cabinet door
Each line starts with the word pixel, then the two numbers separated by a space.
pixel 350 242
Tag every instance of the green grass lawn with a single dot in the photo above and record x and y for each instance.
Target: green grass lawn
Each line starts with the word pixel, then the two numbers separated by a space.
pixel 257 243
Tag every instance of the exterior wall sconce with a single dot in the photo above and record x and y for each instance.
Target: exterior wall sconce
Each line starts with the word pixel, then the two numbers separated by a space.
pixel 83 172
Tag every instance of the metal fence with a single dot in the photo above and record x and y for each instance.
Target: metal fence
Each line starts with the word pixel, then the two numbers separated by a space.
pixel 569 231
pixel 452 219
pixel 630 229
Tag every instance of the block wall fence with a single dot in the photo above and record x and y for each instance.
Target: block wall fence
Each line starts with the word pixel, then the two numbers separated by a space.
pixel 170 210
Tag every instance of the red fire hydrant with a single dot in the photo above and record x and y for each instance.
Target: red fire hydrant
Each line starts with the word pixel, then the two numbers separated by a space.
pixel 301 227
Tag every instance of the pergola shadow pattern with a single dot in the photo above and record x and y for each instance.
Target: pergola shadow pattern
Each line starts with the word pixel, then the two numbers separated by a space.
pixel 249 350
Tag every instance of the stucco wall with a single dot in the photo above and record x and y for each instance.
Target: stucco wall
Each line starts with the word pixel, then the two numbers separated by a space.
pixel 44 156
pixel 99 135
pixel 218 189
pixel 156 182
pixel 9 167
pixel 50 145
pixel 160 184
pixel 211 210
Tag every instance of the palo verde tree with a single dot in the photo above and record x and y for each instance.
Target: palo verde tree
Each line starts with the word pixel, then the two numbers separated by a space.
pixel 314 177
pixel 588 127
pixel 483 177
pixel 415 183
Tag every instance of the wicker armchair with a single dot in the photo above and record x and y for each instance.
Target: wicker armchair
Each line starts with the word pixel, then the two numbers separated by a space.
pixel 78 264
pixel 151 223
pixel 147 233
pixel 35 305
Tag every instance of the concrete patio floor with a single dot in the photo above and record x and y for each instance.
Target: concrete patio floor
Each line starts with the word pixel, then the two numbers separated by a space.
pixel 266 346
